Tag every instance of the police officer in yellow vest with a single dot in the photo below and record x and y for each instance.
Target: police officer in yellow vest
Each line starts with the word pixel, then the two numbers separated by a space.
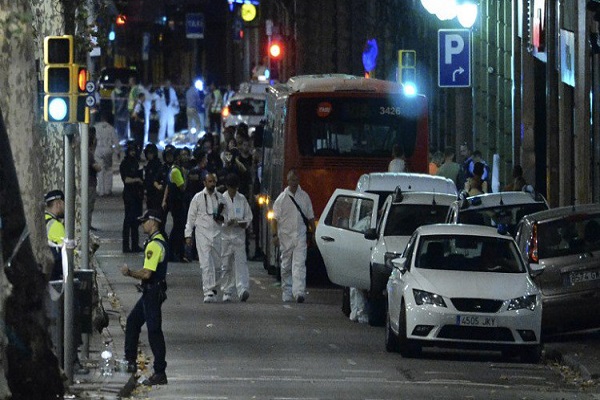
pixel 55 229
pixel 148 308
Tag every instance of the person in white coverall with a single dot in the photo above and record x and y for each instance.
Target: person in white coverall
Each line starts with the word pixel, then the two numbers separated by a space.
pixel 293 214
pixel 168 108
pixel 107 146
pixel 205 216
pixel 235 280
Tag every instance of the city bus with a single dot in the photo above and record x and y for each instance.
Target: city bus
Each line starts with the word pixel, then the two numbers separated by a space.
pixel 332 129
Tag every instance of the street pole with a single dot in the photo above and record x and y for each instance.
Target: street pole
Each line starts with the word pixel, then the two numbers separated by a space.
pixel 69 306
pixel 85 215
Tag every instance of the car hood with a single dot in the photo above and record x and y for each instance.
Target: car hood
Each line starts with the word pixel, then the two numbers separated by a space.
pixel 468 284
pixel 395 244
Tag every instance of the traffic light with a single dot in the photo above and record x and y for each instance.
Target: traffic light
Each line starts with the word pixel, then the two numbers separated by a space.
pixel 275 50
pixel 407 69
pixel 58 78
pixel 82 111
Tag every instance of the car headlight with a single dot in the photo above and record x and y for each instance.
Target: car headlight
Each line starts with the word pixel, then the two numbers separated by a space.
pixel 423 297
pixel 519 303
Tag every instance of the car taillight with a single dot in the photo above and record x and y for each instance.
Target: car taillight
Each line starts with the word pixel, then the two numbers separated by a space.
pixel 533 246
pixel 225 112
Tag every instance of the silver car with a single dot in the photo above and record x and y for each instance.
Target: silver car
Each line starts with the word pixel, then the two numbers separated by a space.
pixel 562 247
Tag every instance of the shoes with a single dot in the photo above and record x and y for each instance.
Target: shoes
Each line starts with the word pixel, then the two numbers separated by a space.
pixel 131 367
pixel 287 299
pixel 300 299
pixel 184 259
pixel 244 296
pixel 210 297
pixel 156 379
pixel 257 257
pixel 226 298
pixel 80 369
pixel 92 228
pixel 137 249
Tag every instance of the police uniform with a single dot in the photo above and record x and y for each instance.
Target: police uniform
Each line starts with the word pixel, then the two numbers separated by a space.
pixel 148 308
pixel 133 197
pixel 178 212
pixel 55 231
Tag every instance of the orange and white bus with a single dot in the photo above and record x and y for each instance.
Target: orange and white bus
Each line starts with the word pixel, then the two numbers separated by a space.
pixel 332 129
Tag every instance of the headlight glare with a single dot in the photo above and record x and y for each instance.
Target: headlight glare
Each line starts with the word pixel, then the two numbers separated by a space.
pixel 529 302
pixel 423 297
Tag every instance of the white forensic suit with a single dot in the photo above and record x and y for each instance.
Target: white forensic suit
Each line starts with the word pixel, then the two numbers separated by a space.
pixel 291 230
pixel 167 112
pixel 107 145
pixel 208 237
pixel 235 278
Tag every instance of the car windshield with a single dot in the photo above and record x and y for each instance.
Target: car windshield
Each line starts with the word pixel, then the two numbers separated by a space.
pixel 468 253
pixel 403 219
pixel 574 234
pixel 247 107
pixel 509 215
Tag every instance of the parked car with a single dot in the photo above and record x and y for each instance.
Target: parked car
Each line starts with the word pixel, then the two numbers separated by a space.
pixel 463 285
pixel 493 209
pixel 244 108
pixel 358 239
pixel 562 246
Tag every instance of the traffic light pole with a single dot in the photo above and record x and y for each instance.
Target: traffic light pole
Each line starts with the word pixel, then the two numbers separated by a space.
pixel 69 291
pixel 85 214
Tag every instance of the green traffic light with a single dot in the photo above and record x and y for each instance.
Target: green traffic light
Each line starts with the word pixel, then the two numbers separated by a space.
pixel 58 109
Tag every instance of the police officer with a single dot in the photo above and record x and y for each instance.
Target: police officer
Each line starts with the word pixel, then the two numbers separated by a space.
pixel 148 308
pixel 133 197
pixel 154 178
pixel 55 229
pixel 175 193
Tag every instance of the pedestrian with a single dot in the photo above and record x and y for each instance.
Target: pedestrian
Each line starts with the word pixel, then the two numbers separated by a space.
pixel 397 164
pixel 435 162
pixel 154 178
pixel 450 169
pixel 205 219
pixel 137 122
pixel 147 310
pixel 228 93
pixel 107 146
pixel 195 184
pixel 215 108
pixel 231 165
pixel 93 169
pixel 119 109
pixel 518 181
pixel 175 198
pixel 476 184
pixel 234 269
pixel 476 157
pixel 168 108
pixel 55 229
pixel 133 197
pixel 293 220
pixel 192 102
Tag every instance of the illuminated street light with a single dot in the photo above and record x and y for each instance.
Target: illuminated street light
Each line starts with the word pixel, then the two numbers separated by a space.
pixel 199 85
pixel 446 10
pixel 467 14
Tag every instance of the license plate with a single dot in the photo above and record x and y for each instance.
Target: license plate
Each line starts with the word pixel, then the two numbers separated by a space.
pixel 476 320
pixel 584 276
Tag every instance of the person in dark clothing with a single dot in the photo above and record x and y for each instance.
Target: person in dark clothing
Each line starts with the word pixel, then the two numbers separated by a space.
pixel 154 178
pixel 211 146
pixel 175 194
pixel 148 308
pixel 137 121
pixel 133 196
pixel 231 165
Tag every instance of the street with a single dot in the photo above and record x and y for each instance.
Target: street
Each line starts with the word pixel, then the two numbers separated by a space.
pixel 268 349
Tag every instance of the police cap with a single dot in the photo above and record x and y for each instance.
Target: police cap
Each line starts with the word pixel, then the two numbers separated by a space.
pixel 155 215
pixel 54 195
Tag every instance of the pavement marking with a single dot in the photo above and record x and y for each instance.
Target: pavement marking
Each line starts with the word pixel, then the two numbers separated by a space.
pixel 363 371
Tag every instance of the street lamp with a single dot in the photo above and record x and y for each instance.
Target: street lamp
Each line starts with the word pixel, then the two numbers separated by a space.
pixel 467 14
pixel 464 10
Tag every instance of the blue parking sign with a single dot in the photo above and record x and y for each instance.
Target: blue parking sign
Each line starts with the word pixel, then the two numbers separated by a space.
pixel 454 58
pixel 194 26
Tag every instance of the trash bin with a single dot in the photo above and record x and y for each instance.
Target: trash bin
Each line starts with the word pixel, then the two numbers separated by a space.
pixel 84 285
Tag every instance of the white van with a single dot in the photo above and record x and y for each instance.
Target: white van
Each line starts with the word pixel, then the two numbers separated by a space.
pixel 384 183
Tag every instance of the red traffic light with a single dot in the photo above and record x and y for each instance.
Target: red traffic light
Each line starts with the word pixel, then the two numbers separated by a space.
pixel 121 19
pixel 275 50
pixel 82 79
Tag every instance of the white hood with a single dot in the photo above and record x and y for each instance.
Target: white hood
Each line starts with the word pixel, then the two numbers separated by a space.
pixel 469 284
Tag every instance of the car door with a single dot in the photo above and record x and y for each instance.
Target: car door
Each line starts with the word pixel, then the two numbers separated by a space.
pixel 340 237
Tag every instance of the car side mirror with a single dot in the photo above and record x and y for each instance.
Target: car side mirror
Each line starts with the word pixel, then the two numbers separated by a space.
pixel 536 269
pixel 399 264
pixel 371 234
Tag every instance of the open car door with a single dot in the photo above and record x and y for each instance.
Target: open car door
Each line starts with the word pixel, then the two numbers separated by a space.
pixel 340 237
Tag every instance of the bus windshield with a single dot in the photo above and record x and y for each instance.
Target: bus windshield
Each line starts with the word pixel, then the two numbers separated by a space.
pixel 356 127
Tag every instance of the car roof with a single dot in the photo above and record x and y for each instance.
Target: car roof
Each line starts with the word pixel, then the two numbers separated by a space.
pixel 426 198
pixel 499 199
pixel 253 87
pixel 244 96
pixel 460 229
pixel 559 212
pixel 388 181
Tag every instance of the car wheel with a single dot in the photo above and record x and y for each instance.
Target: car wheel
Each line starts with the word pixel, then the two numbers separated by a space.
pixel 391 339
pixel 532 354
pixel 377 310
pixel 406 347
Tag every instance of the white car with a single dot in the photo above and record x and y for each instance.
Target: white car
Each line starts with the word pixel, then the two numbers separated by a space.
pixel 244 108
pixel 358 239
pixel 463 285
